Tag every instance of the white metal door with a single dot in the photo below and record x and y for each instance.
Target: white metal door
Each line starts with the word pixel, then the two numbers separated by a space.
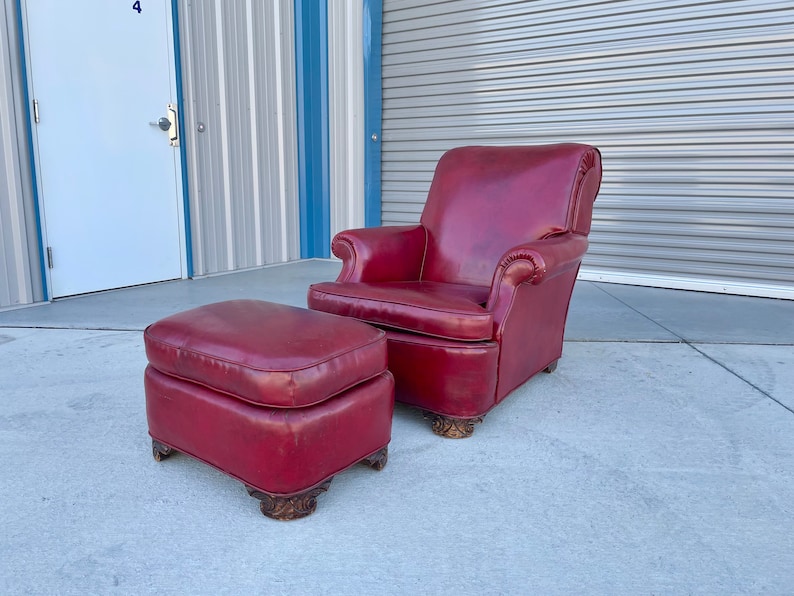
pixel 101 79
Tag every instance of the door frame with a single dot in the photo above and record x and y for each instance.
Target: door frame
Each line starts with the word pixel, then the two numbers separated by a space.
pixel 175 84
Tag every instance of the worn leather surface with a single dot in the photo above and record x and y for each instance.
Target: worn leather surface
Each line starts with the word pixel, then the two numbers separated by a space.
pixel 510 220
pixel 391 253
pixel 453 378
pixel 452 311
pixel 275 450
pixel 266 353
pixel 530 338
pixel 485 200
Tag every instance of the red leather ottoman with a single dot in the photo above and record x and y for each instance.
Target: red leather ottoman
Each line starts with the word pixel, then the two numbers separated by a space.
pixel 281 398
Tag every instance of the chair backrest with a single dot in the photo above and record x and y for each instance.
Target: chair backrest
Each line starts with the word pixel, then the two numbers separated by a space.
pixel 485 200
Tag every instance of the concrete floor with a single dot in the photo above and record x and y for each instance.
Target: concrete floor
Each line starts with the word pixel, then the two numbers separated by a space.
pixel 657 459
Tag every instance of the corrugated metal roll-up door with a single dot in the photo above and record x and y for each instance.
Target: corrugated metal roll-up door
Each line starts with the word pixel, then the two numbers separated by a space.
pixel 691 104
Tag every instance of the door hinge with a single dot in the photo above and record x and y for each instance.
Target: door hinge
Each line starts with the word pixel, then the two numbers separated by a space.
pixel 36 111
pixel 49 257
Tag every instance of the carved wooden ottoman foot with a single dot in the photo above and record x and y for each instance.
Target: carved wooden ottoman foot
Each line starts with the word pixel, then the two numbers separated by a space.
pixel 281 398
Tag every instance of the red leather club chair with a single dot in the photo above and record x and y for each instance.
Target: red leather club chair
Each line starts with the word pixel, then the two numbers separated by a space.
pixel 474 298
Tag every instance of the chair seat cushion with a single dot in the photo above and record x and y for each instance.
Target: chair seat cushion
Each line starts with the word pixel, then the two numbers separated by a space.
pixel 450 311
pixel 265 353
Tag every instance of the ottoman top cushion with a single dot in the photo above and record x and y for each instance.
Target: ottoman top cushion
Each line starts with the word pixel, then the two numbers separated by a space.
pixel 266 353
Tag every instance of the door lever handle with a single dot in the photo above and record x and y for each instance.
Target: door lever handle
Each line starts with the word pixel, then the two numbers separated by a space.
pixel 163 124
pixel 169 126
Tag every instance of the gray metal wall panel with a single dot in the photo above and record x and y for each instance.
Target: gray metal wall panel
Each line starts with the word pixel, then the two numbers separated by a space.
pixel 346 114
pixel 691 104
pixel 239 81
pixel 20 282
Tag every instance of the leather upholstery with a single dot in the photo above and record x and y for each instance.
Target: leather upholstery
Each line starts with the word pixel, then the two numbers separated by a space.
pixel 485 200
pixel 266 353
pixel 281 398
pixel 454 378
pixel 474 298
pixel 453 311
pixel 280 451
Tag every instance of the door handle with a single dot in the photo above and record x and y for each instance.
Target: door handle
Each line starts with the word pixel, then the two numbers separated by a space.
pixel 169 124
pixel 173 130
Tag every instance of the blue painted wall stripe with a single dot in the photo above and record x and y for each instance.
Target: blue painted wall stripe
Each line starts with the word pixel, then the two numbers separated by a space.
pixel 314 181
pixel 31 156
pixel 373 101
pixel 180 102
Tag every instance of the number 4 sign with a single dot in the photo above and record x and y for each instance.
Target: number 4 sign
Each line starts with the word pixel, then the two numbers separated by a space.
pixel 137 6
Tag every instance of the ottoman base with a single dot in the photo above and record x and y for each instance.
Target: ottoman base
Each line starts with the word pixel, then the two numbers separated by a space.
pixel 285 457
pixel 286 508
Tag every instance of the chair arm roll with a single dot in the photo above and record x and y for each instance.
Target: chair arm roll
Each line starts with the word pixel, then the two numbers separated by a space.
pixel 535 262
pixel 387 253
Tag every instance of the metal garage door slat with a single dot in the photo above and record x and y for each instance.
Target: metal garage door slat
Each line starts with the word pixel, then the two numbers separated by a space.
pixel 691 104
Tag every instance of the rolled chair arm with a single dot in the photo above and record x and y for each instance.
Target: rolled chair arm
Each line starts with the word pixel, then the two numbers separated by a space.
pixel 534 263
pixel 388 253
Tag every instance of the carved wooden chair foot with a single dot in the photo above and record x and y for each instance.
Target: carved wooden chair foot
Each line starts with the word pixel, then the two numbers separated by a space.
pixel 160 451
pixel 452 428
pixel 286 508
pixel 377 461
